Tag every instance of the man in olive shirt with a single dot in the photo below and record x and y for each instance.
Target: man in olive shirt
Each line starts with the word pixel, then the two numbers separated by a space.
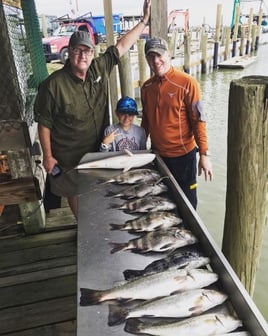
pixel 70 107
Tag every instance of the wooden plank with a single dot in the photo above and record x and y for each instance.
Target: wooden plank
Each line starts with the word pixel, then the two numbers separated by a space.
pixel 38 240
pixel 61 218
pixel 31 255
pixel 37 276
pixel 37 291
pixel 41 265
pixel 19 190
pixel 58 329
pixel 37 314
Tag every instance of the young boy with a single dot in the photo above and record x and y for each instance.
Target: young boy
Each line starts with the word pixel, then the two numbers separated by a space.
pixel 124 134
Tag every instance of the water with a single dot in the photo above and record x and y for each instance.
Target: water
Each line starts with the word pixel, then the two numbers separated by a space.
pixel 215 90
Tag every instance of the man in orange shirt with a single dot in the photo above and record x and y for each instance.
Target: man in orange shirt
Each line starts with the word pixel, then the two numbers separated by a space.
pixel 173 117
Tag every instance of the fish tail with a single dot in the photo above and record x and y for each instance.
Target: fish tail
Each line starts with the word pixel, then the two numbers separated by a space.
pixel 90 297
pixel 114 206
pixel 115 226
pixel 133 326
pixel 116 315
pixel 118 247
pixel 132 274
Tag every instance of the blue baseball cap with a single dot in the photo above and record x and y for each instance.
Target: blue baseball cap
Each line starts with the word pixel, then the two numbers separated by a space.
pixel 127 105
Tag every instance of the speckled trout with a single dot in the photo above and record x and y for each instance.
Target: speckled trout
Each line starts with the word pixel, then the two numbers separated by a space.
pixel 203 325
pixel 189 303
pixel 151 286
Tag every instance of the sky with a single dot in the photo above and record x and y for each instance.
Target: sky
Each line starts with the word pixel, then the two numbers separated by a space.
pixel 200 10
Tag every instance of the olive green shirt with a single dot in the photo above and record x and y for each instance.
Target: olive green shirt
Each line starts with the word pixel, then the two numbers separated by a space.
pixel 75 111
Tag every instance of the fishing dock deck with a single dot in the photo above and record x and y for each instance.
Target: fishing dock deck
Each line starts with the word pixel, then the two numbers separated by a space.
pixel 38 276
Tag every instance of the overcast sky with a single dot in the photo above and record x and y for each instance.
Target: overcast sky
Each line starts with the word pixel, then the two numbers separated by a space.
pixel 198 8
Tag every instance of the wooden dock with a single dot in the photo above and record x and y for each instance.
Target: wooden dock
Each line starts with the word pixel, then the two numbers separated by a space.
pixel 38 276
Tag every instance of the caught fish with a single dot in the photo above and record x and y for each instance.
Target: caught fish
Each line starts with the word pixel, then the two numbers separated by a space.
pixel 189 303
pixel 154 203
pixel 135 176
pixel 141 190
pixel 152 221
pixel 203 325
pixel 124 161
pixel 157 241
pixel 150 287
pixel 179 258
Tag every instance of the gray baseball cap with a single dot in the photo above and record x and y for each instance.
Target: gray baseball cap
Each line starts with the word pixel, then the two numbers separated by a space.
pixel 157 45
pixel 81 38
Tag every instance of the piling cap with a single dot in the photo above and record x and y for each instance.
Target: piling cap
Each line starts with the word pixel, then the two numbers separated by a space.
pixel 157 45
pixel 81 38
pixel 127 105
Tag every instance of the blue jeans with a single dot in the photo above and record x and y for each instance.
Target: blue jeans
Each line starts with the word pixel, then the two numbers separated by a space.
pixel 184 170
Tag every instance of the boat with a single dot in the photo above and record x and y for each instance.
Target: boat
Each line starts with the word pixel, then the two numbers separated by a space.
pixel 238 62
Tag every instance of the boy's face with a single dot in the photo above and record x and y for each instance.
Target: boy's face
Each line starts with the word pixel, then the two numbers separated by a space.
pixel 125 119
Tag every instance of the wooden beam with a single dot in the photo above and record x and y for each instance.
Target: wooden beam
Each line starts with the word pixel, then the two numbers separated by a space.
pixel 159 18
pixel 19 191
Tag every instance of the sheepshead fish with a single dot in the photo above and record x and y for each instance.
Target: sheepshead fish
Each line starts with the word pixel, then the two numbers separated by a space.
pixel 157 241
pixel 183 257
pixel 135 176
pixel 141 190
pixel 151 221
pixel 153 203
pixel 125 161
pixel 150 287
pixel 189 303
pixel 203 325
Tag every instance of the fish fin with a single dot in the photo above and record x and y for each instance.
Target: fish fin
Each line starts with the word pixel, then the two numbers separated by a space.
pixel 196 310
pixel 165 247
pixel 117 315
pixel 90 296
pixel 114 206
pixel 127 168
pixel 128 152
pixel 133 326
pixel 116 226
pixel 118 247
pixel 132 274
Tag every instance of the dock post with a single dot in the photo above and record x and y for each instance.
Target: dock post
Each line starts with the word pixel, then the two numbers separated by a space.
pixel 258 30
pixel 142 62
pixel 247 186
pixel 204 40
pixel 227 43
pixel 235 32
pixel 187 53
pixel 125 76
pixel 217 36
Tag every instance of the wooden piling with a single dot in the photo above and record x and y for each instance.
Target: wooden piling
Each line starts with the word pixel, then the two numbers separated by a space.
pixel 217 36
pixel 204 40
pixel 142 62
pixel 227 42
pixel 125 76
pixel 187 53
pixel 247 162
pixel 235 32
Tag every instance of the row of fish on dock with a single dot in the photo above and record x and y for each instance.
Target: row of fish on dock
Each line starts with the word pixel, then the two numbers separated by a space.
pixel 177 294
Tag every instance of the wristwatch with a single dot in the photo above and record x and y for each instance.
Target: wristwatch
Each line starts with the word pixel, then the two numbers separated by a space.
pixel 104 146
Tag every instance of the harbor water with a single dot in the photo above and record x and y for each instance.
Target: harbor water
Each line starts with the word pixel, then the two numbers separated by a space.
pixel 211 195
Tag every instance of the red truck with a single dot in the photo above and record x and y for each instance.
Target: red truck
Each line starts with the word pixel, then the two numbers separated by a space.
pixel 56 46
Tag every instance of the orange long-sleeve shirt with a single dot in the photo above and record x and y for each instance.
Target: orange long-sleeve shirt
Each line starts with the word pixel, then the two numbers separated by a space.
pixel 172 114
